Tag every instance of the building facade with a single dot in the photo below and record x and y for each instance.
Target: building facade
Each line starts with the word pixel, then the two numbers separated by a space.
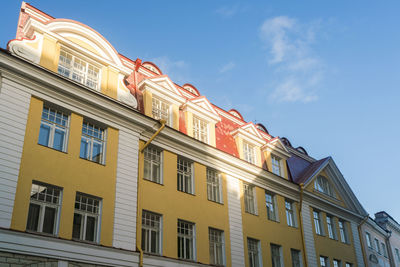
pixel 393 240
pixel 106 161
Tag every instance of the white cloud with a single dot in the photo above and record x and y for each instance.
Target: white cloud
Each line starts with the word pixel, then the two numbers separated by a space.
pixel 228 11
pixel 176 70
pixel 227 67
pixel 298 71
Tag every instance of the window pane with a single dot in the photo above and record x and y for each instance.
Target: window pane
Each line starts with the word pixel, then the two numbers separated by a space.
pixel 77 226
pixel 33 217
pixel 97 152
pixel 84 153
pixel 44 134
pixel 90 228
pixel 49 220
pixel 58 139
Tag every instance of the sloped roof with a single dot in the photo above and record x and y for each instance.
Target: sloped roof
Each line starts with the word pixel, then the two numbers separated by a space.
pixel 302 170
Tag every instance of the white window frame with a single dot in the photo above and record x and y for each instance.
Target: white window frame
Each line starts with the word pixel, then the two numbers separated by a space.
pixel 101 139
pixel 43 204
pixel 276 163
pixel 249 152
pixel 384 251
pixel 348 264
pixel 53 125
pixel 200 129
pixel 191 236
pixel 323 261
pixel 87 213
pixel 276 258
pixel 185 175
pixel 290 213
pixel 272 211
pixel 151 229
pixel 68 70
pixel 337 263
pixel 249 196
pixel 322 185
pixel 317 222
pixel 330 223
pixel 153 151
pixel 161 110
pixel 216 239
pixel 254 252
pixel 396 250
pixel 214 186
pixel 343 232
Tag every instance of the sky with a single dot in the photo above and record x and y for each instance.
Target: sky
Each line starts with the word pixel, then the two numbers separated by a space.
pixel 324 74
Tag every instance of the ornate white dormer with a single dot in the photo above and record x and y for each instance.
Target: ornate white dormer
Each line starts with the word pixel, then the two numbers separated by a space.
pixel 276 155
pixel 249 141
pixel 201 118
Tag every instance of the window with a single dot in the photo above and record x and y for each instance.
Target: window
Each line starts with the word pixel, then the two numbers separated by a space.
pixel 152 164
pixel 377 247
pixel 214 186
pixel 78 70
pixel 337 263
pixel 185 175
pixel 290 218
pixel 331 227
pixel 384 252
pixel 160 110
pixel 276 256
pixel 323 261
pixel 249 198
pixel 151 232
pixel 322 185
pixel 200 130
pixel 86 218
pixel 248 153
pixel 368 238
pixel 343 231
pixel 44 209
pixel 254 252
pixel 186 240
pixel 296 257
pixel 270 202
pixel 317 223
pixel 349 264
pixel 53 129
pixel 217 247
pixel 276 165
pixel 93 143
pixel 396 250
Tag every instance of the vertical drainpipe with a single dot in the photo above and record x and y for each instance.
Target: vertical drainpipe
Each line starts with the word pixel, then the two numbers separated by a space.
pixel 361 240
pixel 301 225
pixel 389 249
pixel 139 198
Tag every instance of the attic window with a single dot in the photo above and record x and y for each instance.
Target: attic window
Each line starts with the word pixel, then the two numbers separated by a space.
pixel 152 68
pixel 322 185
pixel 190 89
pixel 236 114
pixel 261 127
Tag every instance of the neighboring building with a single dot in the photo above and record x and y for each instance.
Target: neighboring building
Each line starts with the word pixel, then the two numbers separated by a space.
pixel 389 224
pixel 375 244
pixel 79 186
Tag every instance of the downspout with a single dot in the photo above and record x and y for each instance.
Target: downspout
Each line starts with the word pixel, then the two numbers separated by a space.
pixel 139 199
pixel 389 249
pixel 361 240
pixel 301 225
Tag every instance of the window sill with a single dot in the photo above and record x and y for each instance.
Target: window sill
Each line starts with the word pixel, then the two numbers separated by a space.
pixel 41 233
pixel 192 194
pixel 98 163
pixel 85 241
pixel 65 152
pixel 255 214
pixel 151 181
pixel 216 202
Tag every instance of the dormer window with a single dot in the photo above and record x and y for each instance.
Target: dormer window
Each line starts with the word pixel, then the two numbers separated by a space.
pixel 322 185
pixel 78 70
pixel 276 165
pixel 200 129
pixel 248 152
pixel 160 110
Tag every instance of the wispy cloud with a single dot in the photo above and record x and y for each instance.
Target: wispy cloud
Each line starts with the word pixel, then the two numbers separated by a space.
pixel 227 67
pixel 175 69
pixel 230 11
pixel 298 71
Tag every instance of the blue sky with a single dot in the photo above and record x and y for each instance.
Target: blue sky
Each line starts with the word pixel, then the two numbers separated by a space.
pixel 324 74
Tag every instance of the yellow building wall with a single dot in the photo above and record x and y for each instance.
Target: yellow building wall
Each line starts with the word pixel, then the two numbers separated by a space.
pixel 175 117
pixel 66 170
pixel 267 231
pixel 267 156
pixel 50 53
pixel 172 204
pixel 334 249
pixel 189 123
pixel 84 45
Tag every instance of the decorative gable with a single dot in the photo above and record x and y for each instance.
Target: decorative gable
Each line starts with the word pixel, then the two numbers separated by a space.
pixel 276 146
pixel 201 107
pixel 166 83
pixel 249 133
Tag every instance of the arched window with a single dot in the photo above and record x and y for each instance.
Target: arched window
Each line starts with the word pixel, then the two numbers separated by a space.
pixel 322 185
